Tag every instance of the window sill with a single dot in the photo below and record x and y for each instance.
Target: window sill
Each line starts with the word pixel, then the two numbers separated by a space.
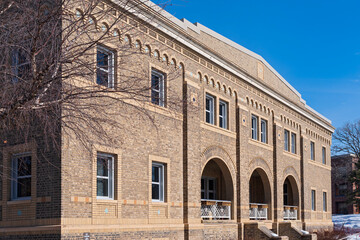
pixel 158 203
pixel 290 154
pixel 106 200
pixel 218 129
pixel 261 144
pixel 20 201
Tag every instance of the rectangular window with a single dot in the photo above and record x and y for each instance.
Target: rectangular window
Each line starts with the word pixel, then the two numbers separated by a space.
pixel 254 127
pixel 158 88
pixel 157 185
pixel 20 65
pixel 105 59
pixel 209 109
pixel 324 202
pixel 208 188
pixel 342 190
pixel 293 143
pixel 313 200
pixel 323 155
pixel 223 112
pixel 312 150
pixel 263 131
pixel 21 177
pixel 105 176
pixel 286 140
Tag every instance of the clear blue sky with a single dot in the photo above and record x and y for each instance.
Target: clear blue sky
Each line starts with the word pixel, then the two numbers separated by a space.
pixel 313 44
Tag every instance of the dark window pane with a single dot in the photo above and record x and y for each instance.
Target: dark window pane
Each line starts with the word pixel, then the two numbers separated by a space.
pixel 211 195
pixel 202 195
pixel 202 184
pixel 155 82
pixel 211 185
pixel 155 174
pixel 24 166
pixel 102 167
pixel 156 191
pixel 102 77
pixel 102 187
pixel 155 97
pixel 102 59
pixel 24 187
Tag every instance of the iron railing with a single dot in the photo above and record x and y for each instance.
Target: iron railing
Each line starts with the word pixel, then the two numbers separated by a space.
pixel 290 212
pixel 258 211
pixel 215 209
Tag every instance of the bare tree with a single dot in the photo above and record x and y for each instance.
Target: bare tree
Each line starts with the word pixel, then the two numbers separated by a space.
pixel 53 77
pixel 347 140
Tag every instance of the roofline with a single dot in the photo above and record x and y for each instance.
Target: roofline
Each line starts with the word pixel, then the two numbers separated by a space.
pixel 185 25
pixel 344 155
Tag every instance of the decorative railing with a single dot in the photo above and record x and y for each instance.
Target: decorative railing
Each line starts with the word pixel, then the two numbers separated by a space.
pixel 258 211
pixel 215 209
pixel 290 212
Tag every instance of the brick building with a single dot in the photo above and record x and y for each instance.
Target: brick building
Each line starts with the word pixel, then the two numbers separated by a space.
pixel 242 157
pixel 342 165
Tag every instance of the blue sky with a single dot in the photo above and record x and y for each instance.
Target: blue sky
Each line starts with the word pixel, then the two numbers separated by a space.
pixel 313 44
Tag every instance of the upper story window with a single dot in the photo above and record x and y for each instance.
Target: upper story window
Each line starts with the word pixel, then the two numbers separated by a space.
pixel 312 150
pixel 323 155
pixel 105 65
pixel 21 177
pixel 324 201
pixel 313 200
pixel 286 140
pixel 158 88
pixel 254 127
pixel 264 131
pixel 223 114
pixel 20 65
pixel 105 176
pixel 158 182
pixel 293 143
pixel 209 109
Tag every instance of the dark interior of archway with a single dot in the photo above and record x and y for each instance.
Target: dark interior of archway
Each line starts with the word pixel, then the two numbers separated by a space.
pixel 288 193
pixel 257 193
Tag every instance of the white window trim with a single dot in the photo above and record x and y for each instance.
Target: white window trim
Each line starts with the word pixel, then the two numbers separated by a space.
pixel 14 175
pixel 254 127
pixel 211 110
pixel 110 177
pixel 161 90
pixel 111 68
pixel 263 132
pixel 161 182
pixel 223 115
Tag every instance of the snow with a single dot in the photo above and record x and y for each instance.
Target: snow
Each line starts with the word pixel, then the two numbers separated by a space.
pixel 351 221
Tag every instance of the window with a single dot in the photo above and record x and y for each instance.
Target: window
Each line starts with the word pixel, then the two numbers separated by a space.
pixel 208 188
pixel 157 182
pixel 209 110
pixel 324 202
pixel 21 177
pixel 20 65
pixel 158 88
pixel 254 127
pixel 263 131
pixel 341 189
pixel 323 155
pixel 223 112
pixel 105 67
pixel 286 140
pixel 312 150
pixel 105 176
pixel 313 200
pixel 293 143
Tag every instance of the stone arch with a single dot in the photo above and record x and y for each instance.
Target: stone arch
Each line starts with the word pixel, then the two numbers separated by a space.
pixel 260 163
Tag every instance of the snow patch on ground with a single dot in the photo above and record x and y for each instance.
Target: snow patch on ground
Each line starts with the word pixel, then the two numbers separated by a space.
pixel 350 223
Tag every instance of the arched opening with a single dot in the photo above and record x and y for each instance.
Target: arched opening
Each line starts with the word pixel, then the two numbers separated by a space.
pixel 259 195
pixel 217 191
pixel 290 199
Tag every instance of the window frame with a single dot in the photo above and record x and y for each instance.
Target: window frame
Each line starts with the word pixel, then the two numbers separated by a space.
pixel 206 189
pixel 312 150
pixel 161 91
pixel 324 201
pixel 16 54
pixel 14 176
pixel 323 152
pixel 211 110
pixel 254 127
pixel 161 182
pixel 287 140
pixel 223 115
pixel 313 200
pixel 110 71
pixel 110 177
pixel 293 143
pixel 263 132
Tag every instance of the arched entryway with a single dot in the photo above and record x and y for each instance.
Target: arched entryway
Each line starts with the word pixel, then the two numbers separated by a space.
pixel 290 199
pixel 259 195
pixel 217 191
